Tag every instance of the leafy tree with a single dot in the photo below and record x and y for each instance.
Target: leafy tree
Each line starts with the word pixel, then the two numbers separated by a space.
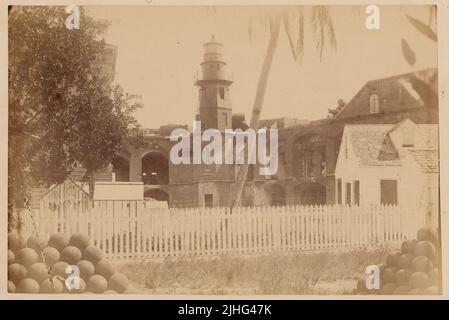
pixel 62 107
pixel 294 22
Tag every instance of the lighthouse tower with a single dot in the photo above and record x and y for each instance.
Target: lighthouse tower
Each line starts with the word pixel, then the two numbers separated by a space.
pixel 215 109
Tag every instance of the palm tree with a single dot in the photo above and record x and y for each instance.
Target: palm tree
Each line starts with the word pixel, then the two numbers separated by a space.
pixel 293 20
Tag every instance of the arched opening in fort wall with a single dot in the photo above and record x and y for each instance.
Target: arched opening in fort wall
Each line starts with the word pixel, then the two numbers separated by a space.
pixel 155 169
pixel 120 166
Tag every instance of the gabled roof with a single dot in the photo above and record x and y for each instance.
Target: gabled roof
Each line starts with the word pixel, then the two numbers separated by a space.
pixel 387 89
pixel 373 146
pixel 398 124
pixel 428 160
pixel 428 134
pixel 369 144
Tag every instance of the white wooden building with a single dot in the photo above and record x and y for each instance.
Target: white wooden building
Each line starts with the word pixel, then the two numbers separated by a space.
pixel 390 164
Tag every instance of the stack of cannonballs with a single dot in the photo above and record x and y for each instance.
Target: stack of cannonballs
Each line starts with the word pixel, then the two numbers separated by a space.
pixel 412 270
pixel 28 273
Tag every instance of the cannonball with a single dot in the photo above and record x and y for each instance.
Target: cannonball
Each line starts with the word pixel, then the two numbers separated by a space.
pixel 16 272
pixel 27 257
pixel 118 282
pixel 28 285
pixel 38 271
pixel 35 243
pixel 105 268
pixel 51 256
pixel 423 234
pixel 52 285
pixel 59 269
pixel 93 254
pixel 79 240
pixel 97 284
pixel 58 240
pixel 87 269
pixel 426 249
pixel 16 242
pixel 71 255
pixel 392 258
pixel 408 246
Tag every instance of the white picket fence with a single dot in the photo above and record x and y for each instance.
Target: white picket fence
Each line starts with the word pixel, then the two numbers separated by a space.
pixel 130 230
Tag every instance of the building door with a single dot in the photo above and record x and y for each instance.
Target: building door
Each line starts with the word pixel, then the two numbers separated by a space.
pixel 208 200
pixel 388 192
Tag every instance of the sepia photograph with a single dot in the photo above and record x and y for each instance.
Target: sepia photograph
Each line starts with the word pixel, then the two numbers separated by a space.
pixel 238 150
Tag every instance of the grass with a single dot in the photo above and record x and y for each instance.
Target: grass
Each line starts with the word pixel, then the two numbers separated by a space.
pixel 297 273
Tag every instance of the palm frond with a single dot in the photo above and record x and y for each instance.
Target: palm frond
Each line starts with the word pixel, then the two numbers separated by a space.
pixel 423 28
pixel 323 28
pixel 408 53
pixel 297 48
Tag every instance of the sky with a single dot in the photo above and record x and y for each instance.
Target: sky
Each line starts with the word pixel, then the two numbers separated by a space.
pixel 160 50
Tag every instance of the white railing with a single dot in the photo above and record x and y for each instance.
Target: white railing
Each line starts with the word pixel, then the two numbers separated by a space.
pixel 132 230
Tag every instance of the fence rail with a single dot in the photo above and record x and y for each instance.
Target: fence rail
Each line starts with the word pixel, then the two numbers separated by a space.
pixel 131 230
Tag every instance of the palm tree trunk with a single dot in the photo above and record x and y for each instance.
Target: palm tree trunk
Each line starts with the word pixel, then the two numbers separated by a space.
pixel 275 24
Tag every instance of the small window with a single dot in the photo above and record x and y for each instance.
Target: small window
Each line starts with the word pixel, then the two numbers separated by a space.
pixel 208 200
pixel 222 93
pixel 356 192
pixel 339 191
pixel 348 193
pixel 218 67
pixel 374 103
pixel 225 119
